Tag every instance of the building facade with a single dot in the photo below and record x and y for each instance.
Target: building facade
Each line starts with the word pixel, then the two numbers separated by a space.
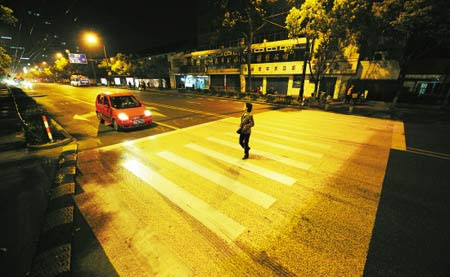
pixel 276 67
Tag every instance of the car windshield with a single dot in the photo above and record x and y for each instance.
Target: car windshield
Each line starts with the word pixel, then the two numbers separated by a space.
pixel 124 102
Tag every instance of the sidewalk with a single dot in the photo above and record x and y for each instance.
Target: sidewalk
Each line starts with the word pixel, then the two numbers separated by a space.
pixel 28 172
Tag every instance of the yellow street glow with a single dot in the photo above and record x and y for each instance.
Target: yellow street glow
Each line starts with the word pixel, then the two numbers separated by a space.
pixel 91 38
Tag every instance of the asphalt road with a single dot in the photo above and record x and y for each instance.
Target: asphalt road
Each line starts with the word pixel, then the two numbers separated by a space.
pixel 319 196
pixel 74 109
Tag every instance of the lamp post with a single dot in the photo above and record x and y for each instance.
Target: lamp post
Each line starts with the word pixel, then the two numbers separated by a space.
pixel 92 39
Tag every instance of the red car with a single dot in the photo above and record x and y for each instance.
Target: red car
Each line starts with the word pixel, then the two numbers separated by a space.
pixel 122 110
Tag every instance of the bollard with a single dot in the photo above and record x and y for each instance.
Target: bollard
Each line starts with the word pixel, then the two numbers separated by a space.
pixel 47 128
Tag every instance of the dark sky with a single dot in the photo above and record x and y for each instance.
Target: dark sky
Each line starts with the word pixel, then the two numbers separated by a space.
pixel 125 26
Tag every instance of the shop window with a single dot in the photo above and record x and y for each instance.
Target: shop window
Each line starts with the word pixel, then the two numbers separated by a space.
pixel 297 82
pixel 267 57
pixel 285 56
pixel 276 57
pixel 258 58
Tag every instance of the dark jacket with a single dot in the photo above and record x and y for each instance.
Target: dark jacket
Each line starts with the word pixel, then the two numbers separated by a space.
pixel 247 123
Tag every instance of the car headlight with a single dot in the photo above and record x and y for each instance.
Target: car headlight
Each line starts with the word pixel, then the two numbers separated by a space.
pixel 147 113
pixel 122 116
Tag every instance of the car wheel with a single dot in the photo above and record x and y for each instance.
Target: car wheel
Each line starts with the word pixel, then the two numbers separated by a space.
pixel 100 118
pixel 116 126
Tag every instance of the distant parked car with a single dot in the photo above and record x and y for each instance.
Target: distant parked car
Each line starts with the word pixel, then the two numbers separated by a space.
pixel 79 80
pixel 122 110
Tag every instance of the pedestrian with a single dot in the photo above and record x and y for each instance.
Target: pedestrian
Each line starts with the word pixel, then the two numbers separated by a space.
pixel 349 94
pixel 244 131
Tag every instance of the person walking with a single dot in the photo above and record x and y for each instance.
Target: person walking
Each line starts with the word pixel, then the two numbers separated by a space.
pixel 349 94
pixel 247 123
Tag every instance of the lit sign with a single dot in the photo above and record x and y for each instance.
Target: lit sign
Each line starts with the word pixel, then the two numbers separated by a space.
pixel 77 58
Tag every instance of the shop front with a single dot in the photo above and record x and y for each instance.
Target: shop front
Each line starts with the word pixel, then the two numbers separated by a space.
pixel 277 85
pixel 192 81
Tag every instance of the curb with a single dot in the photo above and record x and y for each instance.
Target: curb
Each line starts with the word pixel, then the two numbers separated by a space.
pixel 68 138
pixel 53 256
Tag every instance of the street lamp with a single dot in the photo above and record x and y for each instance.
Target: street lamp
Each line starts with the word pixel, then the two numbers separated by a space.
pixel 59 55
pixel 92 40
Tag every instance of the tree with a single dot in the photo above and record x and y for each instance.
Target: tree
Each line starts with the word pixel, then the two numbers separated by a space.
pixel 7 18
pixel 326 25
pixel 5 61
pixel 413 27
pixel 155 67
pixel 248 17
pixel 120 64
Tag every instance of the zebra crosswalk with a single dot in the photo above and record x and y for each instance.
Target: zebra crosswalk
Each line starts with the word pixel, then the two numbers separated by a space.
pixel 199 171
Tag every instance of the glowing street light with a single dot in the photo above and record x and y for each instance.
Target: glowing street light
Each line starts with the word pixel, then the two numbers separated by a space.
pixel 44 63
pixel 59 55
pixel 91 39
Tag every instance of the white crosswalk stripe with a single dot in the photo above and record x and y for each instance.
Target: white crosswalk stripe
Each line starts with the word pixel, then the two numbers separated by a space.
pixel 275 157
pixel 253 195
pixel 307 142
pixel 223 226
pixel 282 146
pixel 281 178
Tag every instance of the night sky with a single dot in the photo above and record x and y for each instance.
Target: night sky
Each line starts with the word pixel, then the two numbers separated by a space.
pixel 125 26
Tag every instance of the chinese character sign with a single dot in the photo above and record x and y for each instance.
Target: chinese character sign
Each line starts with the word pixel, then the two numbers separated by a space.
pixel 77 58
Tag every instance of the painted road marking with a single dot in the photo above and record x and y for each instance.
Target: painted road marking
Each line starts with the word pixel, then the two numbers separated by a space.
pixel 281 146
pixel 298 132
pixel 188 110
pixel 286 180
pixel 220 224
pixel 192 102
pixel 249 193
pixel 84 116
pixel 316 144
pixel 166 125
pixel 398 136
pixel 274 123
pixel 157 136
pixel 89 103
pixel 278 158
